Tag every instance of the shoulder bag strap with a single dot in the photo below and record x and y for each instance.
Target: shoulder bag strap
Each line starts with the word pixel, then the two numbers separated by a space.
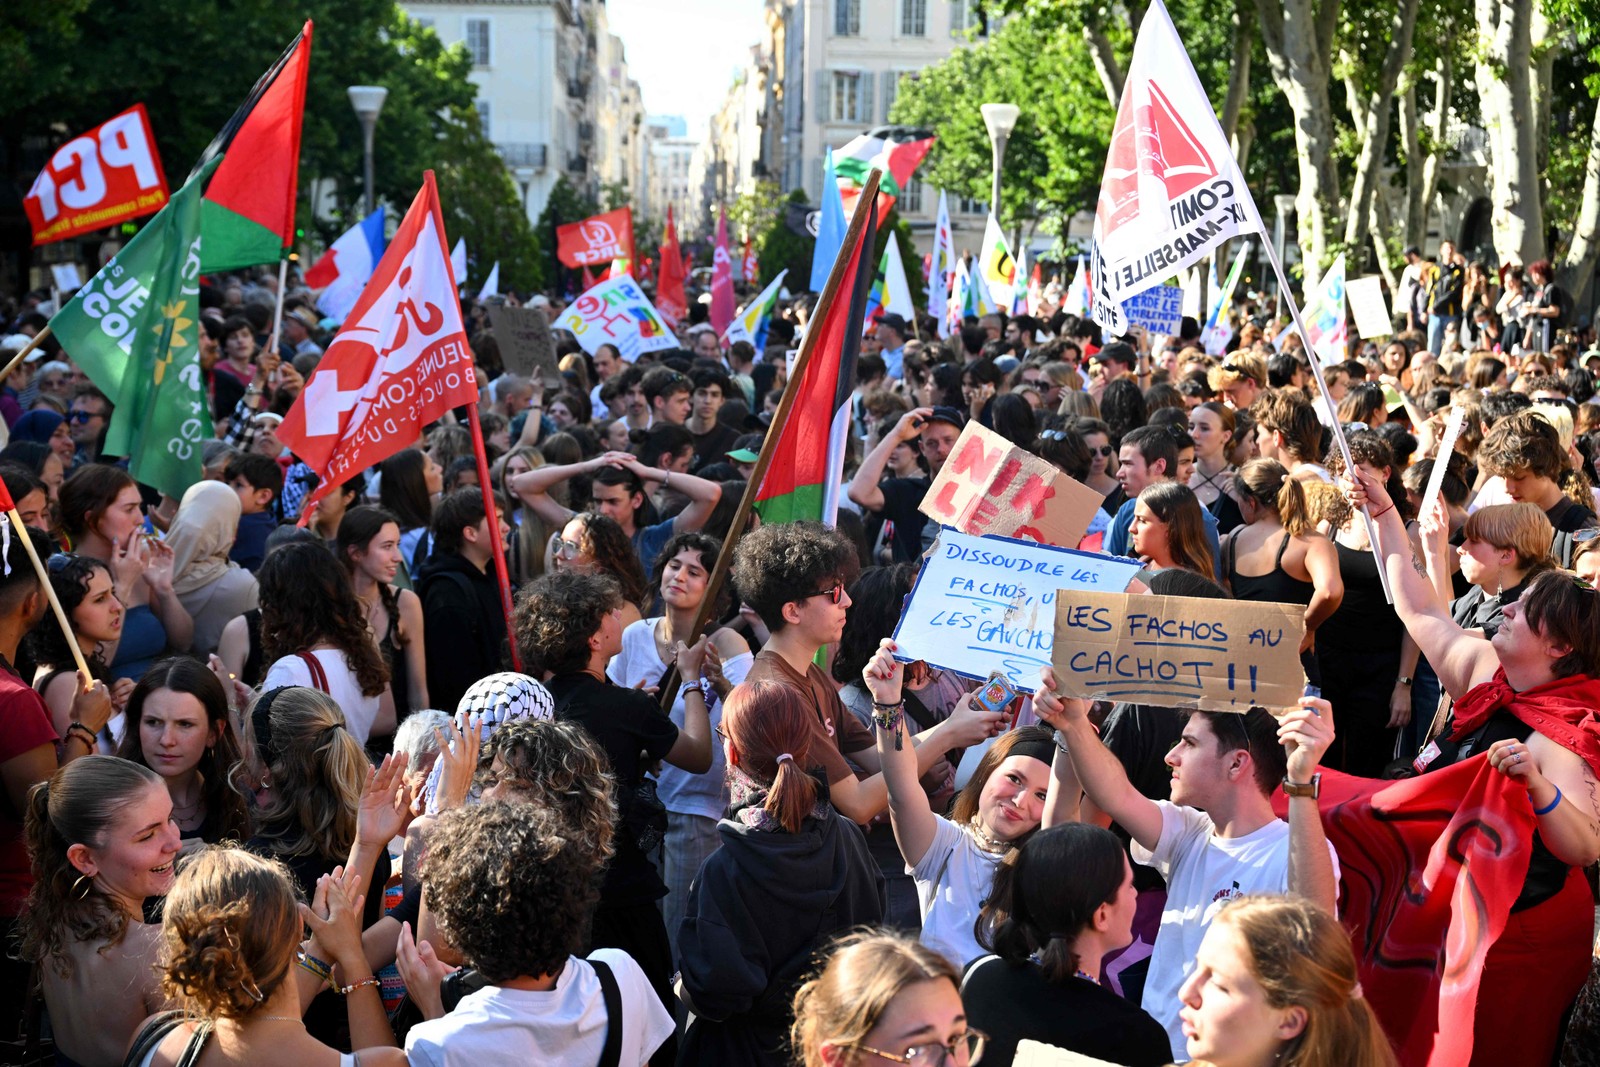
pixel 973 969
pixel 611 1055
pixel 152 1033
pixel 319 677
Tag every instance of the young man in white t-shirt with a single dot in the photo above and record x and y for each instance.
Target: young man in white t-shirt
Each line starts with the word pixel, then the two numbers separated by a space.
pixel 1218 837
pixel 513 888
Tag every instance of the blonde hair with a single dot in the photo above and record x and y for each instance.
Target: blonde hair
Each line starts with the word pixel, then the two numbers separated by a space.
pixel 1235 369
pixel 318 772
pixel 1302 957
pixel 1523 528
pixel 863 973
pixel 230 929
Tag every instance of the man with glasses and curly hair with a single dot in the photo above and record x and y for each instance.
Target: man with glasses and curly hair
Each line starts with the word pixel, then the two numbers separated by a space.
pixel 793 576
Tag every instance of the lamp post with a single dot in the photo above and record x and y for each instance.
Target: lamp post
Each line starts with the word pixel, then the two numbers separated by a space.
pixel 1000 120
pixel 368 101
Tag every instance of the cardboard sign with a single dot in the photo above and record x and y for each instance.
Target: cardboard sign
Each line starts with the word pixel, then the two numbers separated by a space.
pixel 990 486
pixel 985 604
pixel 1158 309
pixel 1369 307
pixel 1447 445
pixel 526 347
pixel 98 179
pixel 1178 652
pixel 617 312
pixel 1038 1054
pixel 66 276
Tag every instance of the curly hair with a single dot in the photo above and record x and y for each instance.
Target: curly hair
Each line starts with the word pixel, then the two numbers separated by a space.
pixel 512 886
pixel 307 599
pixel 614 555
pixel 86 495
pixel 70 577
pixel 318 770
pixel 1374 451
pixel 78 804
pixel 876 597
pixel 708 548
pixel 1524 444
pixel 778 564
pixel 231 929
pixel 226 809
pixel 860 977
pixel 556 765
pixel 555 618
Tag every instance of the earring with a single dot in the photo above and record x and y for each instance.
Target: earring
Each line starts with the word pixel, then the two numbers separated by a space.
pixel 86 889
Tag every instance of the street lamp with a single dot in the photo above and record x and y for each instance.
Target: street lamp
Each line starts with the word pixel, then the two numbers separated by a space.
pixel 368 101
pixel 1000 120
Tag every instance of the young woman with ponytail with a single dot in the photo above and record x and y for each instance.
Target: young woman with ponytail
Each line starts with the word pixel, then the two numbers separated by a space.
pixel 1275 985
pixel 231 936
pixel 102 841
pixel 791 874
pixel 1059 905
pixel 1277 555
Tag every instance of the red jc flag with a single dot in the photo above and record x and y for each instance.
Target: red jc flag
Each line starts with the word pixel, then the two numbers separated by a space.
pixel 400 362
pixel 597 239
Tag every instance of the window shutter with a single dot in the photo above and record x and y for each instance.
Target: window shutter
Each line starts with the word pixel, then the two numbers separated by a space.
pixel 865 98
pixel 822 112
pixel 891 87
pixel 958 17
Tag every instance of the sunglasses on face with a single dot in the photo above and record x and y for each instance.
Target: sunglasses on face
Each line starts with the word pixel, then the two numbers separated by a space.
pixel 834 595
pixel 1103 450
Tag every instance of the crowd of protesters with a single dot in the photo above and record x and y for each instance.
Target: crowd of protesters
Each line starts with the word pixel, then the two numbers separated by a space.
pixel 305 809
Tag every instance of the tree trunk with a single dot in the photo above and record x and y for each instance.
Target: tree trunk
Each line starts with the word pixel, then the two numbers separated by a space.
pixel 1578 265
pixel 1243 138
pixel 1238 73
pixel 1298 35
pixel 1444 78
pixel 1374 122
pixel 1382 224
pixel 1505 82
pixel 1411 146
pixel 1104 58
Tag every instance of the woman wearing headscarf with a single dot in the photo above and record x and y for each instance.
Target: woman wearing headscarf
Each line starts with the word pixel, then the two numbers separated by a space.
pixel 47 428
pixel 211 587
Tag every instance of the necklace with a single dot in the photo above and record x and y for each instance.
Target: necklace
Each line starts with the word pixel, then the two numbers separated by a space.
pixel 986 841
pixel 281 1019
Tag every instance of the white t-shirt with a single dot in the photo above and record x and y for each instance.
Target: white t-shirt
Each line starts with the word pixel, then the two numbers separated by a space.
pixel 1203 872
pixel 360 710
pixel 679 790
pixel 566 1024
pixel 953 881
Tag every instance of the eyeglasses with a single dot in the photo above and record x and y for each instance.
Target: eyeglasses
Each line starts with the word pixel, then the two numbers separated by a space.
pixel 834 595
pixel 1053 435
pixel 568 548
pixel 1588 533
pixel 967 1048
pixel 79 415
pixel 1103 450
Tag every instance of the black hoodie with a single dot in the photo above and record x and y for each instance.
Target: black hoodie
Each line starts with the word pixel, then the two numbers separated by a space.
pixel 763 905
pixel 466 630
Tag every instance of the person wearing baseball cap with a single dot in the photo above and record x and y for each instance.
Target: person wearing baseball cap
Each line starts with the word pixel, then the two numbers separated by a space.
pixel 896 499
pixel 299 326
pixel 892 333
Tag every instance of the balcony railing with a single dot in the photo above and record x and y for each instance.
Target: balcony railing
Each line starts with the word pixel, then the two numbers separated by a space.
pixel 524 155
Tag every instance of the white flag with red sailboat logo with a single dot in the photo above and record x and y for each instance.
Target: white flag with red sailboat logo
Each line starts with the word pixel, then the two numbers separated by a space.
pixel 400 361
pixel 1172 189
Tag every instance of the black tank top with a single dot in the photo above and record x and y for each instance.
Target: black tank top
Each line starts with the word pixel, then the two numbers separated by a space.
pixel 1364 620
pixel 1277 586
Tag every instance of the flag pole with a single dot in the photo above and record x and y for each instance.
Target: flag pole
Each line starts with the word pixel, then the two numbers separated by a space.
pixel 491 508
pixel 277 314
pixel 668 688
pixel 1338 430
pixel 19 530
pixel 38 339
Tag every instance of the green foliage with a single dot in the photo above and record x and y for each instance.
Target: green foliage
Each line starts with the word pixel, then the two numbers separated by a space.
pixel 566 204
pixel 782 248
pixel 754 212
pixel 482 203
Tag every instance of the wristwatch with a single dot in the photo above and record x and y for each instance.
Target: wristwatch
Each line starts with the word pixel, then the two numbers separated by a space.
pixel 1404 680
pixel 1312 789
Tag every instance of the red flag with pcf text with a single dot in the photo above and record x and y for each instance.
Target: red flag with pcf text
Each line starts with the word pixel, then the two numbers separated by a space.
pixel 598 239
pixel 400 362
pixel 103 177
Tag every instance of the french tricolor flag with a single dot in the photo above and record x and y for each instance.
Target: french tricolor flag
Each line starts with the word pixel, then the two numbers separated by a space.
pixel 343 270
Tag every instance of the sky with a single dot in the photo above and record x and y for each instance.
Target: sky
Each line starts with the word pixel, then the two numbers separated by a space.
pixel 683 53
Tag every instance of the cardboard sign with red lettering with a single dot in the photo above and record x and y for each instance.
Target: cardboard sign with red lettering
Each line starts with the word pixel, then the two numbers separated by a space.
pixel 989 486
pixel 598 239
pixel 101 178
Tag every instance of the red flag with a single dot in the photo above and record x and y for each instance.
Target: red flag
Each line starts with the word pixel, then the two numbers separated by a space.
pixel 598 239
pixel 670 298
pixel 97 179
pixel 588 279
pixel 721 279
pixel 750 268
pixel 6 503
pixel 400 362
pixel 1430 868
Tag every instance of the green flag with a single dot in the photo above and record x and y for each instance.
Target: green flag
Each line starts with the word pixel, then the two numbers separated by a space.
pixel 134 329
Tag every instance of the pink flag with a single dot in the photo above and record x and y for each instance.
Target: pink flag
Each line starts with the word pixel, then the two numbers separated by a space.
pixel 721 279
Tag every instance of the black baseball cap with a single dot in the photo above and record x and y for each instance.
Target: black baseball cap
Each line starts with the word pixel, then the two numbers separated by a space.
pixel 954 416
pixel 895 322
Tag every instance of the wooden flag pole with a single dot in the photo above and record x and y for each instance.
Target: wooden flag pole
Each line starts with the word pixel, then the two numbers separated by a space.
pixel 668 686
pixel 20 531
pixel 490 508
pixel 38 340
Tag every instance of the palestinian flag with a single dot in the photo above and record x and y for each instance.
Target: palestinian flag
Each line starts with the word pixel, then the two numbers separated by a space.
pixel 807 466
pixel 895 150
pixel 248 212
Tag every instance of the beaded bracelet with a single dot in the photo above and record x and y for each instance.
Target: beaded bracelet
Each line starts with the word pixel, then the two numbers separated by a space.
pixel 88 734
pixel 346 990
pixel 888 717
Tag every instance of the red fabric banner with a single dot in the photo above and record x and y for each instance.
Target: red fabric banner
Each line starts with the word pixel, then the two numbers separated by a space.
pixel 598 239
pixel 98 179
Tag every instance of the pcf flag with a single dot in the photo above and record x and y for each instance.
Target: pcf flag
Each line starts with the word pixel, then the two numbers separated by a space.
pixel 597 239
pixel 1172 189
pixel 97 179
pixel 400 362
pixel 344 268
pixel 134 329
pixel 248 214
